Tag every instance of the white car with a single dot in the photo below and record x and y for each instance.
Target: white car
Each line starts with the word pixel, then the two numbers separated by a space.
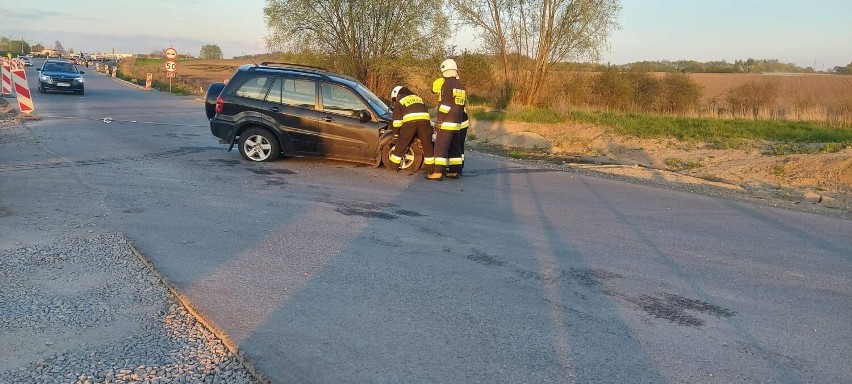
pixel 27 61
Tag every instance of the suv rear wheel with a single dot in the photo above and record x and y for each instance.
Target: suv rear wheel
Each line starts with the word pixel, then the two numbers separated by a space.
pixel 258 144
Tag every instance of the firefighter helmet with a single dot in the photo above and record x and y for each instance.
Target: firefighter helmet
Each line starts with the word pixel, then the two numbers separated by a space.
pixel 449 65
pixel 395 92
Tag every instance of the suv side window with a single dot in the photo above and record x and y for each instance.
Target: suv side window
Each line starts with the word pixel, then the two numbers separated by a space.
pixel 293 91
pixel 340 100
pixel 254 88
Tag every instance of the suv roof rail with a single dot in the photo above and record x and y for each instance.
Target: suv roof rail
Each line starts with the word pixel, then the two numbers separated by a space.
pixel 291 65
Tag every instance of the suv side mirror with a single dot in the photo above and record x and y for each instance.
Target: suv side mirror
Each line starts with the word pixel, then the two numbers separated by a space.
pixel 364 116
pixel 38 69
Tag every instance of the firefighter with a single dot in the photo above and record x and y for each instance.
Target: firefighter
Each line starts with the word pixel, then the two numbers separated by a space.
pixel 410 118
pixel 456 151
pixel 449 119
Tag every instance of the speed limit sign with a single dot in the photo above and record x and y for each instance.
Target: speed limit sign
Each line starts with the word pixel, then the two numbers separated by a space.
pixel 171 66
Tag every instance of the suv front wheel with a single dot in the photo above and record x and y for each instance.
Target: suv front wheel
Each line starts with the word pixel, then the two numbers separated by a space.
pixel 258 144
pixel 411 160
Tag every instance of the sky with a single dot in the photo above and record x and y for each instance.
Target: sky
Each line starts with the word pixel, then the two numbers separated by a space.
pixel 815 33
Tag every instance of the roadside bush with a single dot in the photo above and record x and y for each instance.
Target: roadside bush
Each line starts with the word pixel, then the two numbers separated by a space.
pixel 477 75
pixel 611 90
pixel 680 94
pixel 752 97
pixel 646 91
pixel 573 90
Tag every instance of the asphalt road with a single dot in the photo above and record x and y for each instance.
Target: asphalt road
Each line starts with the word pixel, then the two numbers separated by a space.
pixel 330 272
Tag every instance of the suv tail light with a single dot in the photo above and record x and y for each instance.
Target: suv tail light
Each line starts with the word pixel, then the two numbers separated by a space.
pixel 220 103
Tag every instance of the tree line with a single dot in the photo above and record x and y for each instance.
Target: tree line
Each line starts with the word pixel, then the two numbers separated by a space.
pixel 367 38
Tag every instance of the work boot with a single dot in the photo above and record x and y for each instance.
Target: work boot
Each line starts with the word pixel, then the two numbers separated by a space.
pixel 437 176
pixel 453 175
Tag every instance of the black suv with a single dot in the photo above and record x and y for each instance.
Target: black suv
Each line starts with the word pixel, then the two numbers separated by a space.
pixel 275 109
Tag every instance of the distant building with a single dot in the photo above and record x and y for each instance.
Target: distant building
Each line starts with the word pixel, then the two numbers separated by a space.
pixel 46 52
pixel 110 56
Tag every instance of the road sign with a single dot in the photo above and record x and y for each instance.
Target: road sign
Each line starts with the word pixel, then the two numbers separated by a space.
pixel 170 75
pixel 170 53
pixel 171 66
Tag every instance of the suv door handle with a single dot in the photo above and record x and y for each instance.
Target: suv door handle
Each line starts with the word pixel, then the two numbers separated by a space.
pixel 275 109
pixel 327 119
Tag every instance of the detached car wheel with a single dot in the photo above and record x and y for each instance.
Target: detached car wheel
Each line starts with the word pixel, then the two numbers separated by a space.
pixel 259 145
pixel 411 160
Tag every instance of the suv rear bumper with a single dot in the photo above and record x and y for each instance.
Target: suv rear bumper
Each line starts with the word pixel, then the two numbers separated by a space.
pixel 221 128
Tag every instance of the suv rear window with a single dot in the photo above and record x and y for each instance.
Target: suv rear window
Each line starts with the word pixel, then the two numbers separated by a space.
pixel 254 88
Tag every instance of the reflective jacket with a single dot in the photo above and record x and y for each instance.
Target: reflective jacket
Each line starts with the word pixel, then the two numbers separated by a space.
pixel 408 107
pixel 436 89
pixel 452 98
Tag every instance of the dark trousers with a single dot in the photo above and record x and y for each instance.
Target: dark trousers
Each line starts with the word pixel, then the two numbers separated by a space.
pixel 423 130
pixel 443 141
pixel 456 151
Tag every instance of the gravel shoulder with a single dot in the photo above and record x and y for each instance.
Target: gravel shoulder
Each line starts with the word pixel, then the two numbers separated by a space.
pixel 88 310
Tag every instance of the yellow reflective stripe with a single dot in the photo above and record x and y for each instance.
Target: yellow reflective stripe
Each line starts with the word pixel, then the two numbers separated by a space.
pixel 440 161
pixel 397 123
pixel 410 99
pixel 456 161
pixel 444 108
pixel 465 124
pixel 394 158
pixel 415 116
pixel 450 126
pixel 428 160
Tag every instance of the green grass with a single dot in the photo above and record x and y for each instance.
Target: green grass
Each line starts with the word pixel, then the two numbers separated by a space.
pixel 526 115
pixel 723 132
pixel 676 164
pixel 784 149
pixel 177 88
pixel 144 62
pixel 516 153
pixel 720 133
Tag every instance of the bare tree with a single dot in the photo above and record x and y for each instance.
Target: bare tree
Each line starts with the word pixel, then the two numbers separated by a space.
pixel 541 32
pixel 489 17
pixel 364 32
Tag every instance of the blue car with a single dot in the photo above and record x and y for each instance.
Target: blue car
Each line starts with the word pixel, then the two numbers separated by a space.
pixel 60 75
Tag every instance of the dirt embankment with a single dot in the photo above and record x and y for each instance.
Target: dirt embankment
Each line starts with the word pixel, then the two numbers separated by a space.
pixel 822 180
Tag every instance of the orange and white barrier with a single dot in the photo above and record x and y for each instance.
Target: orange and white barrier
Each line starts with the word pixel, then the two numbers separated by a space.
pixel 22 88
pixel 6 76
